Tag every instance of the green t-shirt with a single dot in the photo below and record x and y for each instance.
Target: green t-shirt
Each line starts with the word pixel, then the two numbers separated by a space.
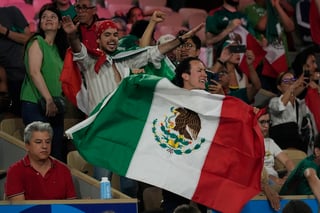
pixel 296 183
pixel 71 11
pixel 219 21
pixel 254 13
pixel 50 69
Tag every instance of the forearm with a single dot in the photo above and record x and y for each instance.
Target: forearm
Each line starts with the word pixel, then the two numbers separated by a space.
pixel 212 39
pixel 286 21
pixel 40 84
pixel 21 38
pixel 74 42
pixel 147 35
pixel 255 82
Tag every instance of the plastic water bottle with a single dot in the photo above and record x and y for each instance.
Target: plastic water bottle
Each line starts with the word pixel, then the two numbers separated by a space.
pixel 105 188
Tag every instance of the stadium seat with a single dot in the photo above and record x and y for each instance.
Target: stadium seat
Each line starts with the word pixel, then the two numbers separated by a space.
pixel 27 10
pixel 156 3
pixel 124 8
pixel 294 154
pixel 152 198
pixel 107 2
pixel 103 12
pixel 37 4
pixel 74 160
pixel 189 14
pixel 13 127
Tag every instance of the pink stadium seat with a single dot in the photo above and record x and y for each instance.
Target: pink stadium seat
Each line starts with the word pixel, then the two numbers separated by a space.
pixel 157 3
pixel 124 8
pixel 186 13
pixel 107 2
pixel 37 4
pixel 103 12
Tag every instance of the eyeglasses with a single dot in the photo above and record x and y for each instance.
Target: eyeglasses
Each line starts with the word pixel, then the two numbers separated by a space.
pixel 288 80
pixel 264 122
pixel 186 46
pixel 84 8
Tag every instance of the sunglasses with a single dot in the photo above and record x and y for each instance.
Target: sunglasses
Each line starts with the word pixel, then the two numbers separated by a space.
pixel 288 80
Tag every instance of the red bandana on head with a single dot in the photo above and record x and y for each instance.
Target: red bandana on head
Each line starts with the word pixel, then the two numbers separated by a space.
pixel 101 26
pixel 261 112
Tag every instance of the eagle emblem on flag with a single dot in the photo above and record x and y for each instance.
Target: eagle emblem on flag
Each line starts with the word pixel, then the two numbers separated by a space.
pixel 178 132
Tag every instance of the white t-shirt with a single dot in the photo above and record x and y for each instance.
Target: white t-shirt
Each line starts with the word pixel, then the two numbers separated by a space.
pixel 272 150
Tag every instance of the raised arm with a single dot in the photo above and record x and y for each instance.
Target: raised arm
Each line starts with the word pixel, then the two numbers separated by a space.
pixel 212 39
pixel 254 87
pixel 286 21
pixel 170 45
pixel 156 18
pixel 71 30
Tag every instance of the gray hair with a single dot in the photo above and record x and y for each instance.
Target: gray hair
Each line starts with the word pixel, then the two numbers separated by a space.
pixel 36 126
pixel 92 2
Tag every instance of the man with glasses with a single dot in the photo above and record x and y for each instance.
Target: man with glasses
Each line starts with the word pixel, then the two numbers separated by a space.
pixel 87 16
pixel 191 48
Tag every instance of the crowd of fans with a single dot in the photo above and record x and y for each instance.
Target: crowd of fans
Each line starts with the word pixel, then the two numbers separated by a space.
pixel 32 65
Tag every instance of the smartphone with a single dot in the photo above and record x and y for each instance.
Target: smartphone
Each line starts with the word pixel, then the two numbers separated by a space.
pixel 212 76
pixel 306 76
pixel 237 48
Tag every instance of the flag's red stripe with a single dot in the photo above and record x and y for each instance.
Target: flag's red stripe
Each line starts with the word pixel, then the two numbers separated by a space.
pixel 231 173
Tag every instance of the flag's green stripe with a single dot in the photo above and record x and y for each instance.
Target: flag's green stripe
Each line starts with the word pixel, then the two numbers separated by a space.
pixel 111 139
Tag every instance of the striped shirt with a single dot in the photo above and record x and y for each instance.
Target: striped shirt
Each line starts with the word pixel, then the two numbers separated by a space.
pixel 103 83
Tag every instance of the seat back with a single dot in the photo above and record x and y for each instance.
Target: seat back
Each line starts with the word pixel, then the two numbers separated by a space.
pixel 13 127
pixel 144 3
pixel 152 198
pixel 188 14
pixel 294 154
pixel 74 160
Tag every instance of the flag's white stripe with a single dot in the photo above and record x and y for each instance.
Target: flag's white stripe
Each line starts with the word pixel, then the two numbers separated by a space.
pixel 149 157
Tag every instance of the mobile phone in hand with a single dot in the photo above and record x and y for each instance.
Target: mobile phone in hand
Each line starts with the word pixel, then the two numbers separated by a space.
pixel 306 75
pixel 212 76
pixel 239 48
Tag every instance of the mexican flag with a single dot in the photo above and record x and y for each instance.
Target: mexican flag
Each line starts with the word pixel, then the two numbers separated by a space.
pixel 207 148
pixel 74 85
pixel 244 37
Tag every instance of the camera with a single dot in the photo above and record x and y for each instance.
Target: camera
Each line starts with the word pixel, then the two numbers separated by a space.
pixel 237 48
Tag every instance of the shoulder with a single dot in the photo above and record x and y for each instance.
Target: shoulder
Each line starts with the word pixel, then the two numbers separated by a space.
pixel 61 167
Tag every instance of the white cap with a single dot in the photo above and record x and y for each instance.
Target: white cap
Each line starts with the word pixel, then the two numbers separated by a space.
pixel 165 38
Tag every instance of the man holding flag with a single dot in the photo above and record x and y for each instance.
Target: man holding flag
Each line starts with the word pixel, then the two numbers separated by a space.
pixel 206 148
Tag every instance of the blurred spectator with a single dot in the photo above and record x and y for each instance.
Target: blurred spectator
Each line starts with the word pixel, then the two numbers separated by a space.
pixel 134 14
pixel 122 26
pixel 234 84
pixel 65 7
pixel 305 63
pixel 272 152
pixel 296 206
pixel 14 32
pixel 287 113
pixel 223 22
pixel 184 208
pixel 44 56
pixel 87 16
pixel 304 179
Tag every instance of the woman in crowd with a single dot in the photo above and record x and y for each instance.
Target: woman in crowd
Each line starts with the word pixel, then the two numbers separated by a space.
pixel 44 56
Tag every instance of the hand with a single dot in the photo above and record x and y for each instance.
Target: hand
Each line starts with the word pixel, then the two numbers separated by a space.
pixel 225 54
pixel 264 41
pixel 192 32
pixel 51 108
pixel 68 25
pixel 215 88
pixel 272 196
pixel 234 23
pixel 158 16
pixel 250 57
